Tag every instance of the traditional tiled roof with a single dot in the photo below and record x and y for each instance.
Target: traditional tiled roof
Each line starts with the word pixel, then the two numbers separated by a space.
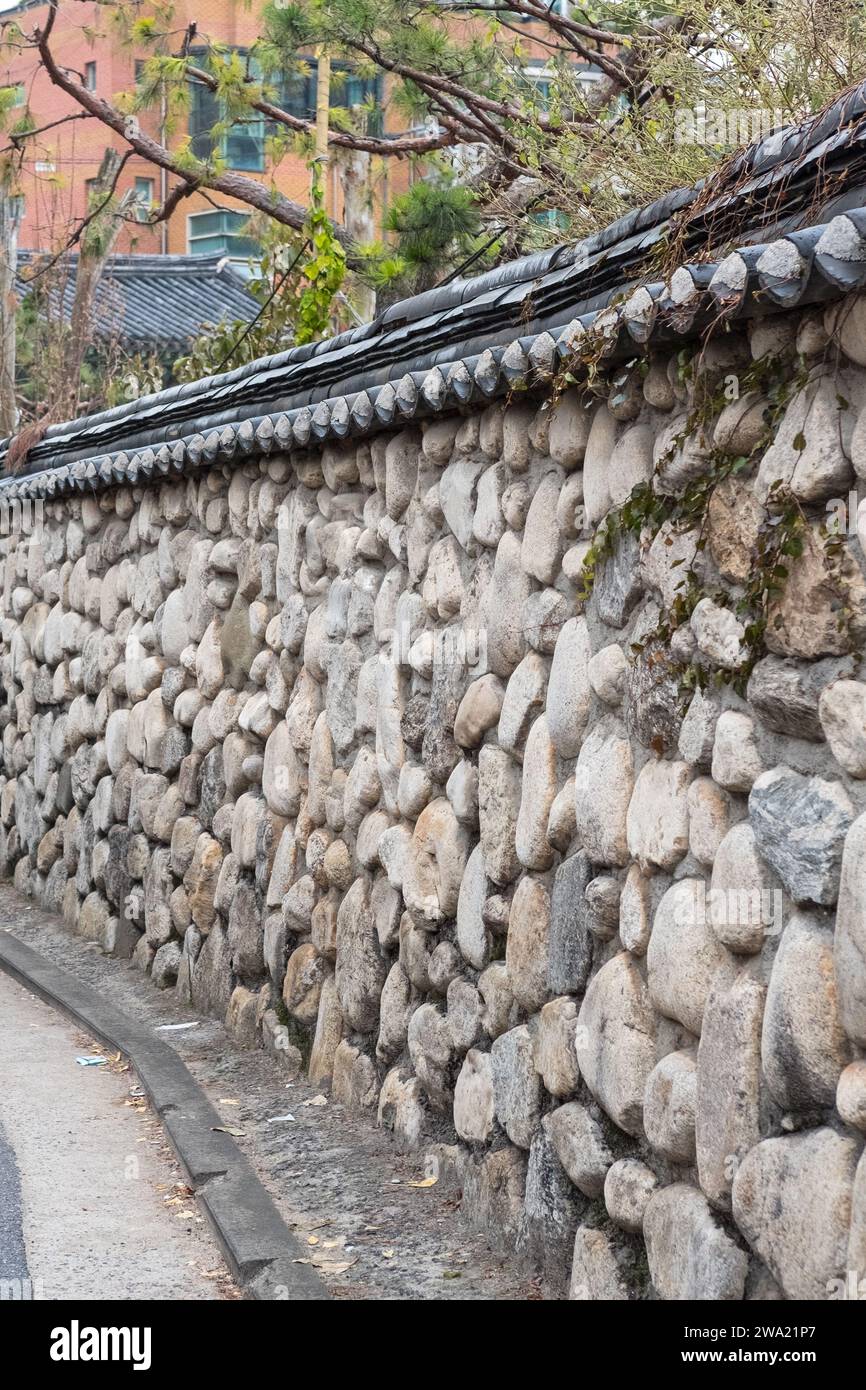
pixel 156 302
pixel 793 207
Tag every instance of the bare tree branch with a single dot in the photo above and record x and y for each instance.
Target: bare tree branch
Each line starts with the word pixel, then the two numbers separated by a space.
pixel 397 148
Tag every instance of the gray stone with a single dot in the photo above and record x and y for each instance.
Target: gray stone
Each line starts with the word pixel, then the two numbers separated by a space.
pixel 527 949
pixel 653 700
pixel 606 672
pixel 785 694
pixel 457 493
pixel 680 455
pixel 746 901
pixel 562 821
pixel 604 781
pixel 635 912
pixel 842 712
pixel 727 1119
pixel 462 791
pixel 628 1187
pixel 821 611
pixel 361 965
pixel 499 1009
pixel 710 813
pixel 669 1105
pixel 669 559
pixel 792 1199
pixel 569 695
pixel 493 1193
pixel 616 1041
pixel 472 934
pixel 401 472
pixel 465 1007
pixel 474 1109
pixel 599 1273
pixel 568 432
pixel 803 1046
pixel 212 979
pixel 850 940
pixel 599 445
pixel 602 901
pixel 580 1146
pixel 166 965
pixel 541 551
pixel 431 1049
pixel 618 588
pixel 737 761
pixel 690 1256
pixel 524 701
pixel 810 454
pixel 246 933
pixel 800 824
pixel 570 942
pixel 657 824
pixel 851 1095
pixel 434 864
pixel 554 1047
pixel 499 792
pixel 698 731
pixel 683 954
pixel 516 1085
pixel 479 710
pixel 551 1211
pixel 537 795
pixel 631 462
pixel 545 614
pixel 719 634
pixel 502 607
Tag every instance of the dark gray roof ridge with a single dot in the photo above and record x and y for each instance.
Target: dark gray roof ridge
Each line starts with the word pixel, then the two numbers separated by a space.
pixel 771 189
pixel 806 267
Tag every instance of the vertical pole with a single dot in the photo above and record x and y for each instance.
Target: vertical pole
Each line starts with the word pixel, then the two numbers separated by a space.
pixel 323 106
pixel 8 267
pixel 163 178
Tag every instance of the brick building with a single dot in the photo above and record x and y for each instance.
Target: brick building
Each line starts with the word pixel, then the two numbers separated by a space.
pixel 56 179
pixel 55 182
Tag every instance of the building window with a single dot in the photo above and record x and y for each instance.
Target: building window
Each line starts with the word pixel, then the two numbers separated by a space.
pixel 143 198
pixel 220 233
pixel 90 76
pixel 242 147
pixel 297 93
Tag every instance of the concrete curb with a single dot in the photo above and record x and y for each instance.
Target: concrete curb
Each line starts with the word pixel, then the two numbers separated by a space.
pixel 258 1247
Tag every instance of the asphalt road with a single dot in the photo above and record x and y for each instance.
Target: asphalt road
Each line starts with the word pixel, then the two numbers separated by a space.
pixel 92 1203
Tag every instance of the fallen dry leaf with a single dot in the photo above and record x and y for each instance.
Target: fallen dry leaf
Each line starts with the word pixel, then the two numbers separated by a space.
pixel 226 1129
pixel 335 1268
pixel 425 1182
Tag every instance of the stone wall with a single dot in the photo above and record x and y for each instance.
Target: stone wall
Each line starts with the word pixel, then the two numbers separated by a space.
pixel 389 757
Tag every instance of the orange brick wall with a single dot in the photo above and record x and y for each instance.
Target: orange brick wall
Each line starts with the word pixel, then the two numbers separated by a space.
pixel 56 194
